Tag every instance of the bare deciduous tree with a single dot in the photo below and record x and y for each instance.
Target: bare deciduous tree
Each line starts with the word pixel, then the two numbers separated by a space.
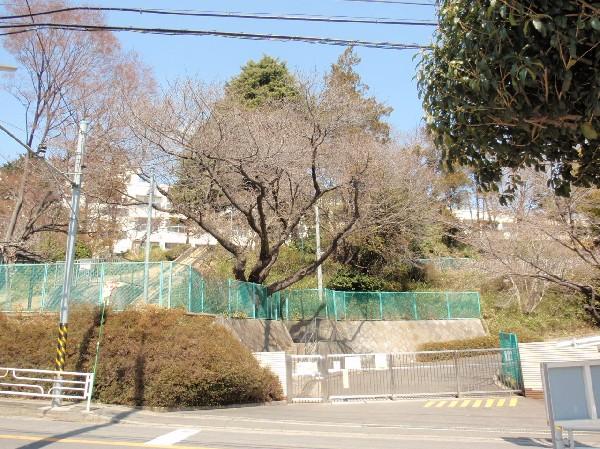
pixel 267 167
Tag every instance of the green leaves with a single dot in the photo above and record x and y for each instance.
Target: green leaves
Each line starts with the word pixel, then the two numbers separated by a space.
pixel 588 131
pixel 517 83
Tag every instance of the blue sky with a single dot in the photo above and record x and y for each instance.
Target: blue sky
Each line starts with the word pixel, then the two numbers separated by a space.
pixel 389 73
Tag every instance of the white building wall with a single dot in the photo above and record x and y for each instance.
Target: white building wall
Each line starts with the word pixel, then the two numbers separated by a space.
pixel 164 233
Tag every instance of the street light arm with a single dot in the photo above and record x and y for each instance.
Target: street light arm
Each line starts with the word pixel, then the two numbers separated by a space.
pixel 33 153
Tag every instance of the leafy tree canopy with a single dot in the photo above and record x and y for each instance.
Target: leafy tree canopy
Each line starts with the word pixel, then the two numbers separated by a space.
pixel 344 76
pixel 511 84
pixel 262 81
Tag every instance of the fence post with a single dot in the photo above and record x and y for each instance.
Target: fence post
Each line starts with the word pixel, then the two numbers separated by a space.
pixel 344 302
pixel 448 305
pixel 380 307
pixel 202 286
pixel 415 314
pixel 287 307
pixel 254 301
pixel 190 289
pixel 456 362
pixel 478 304
pixel 101 289
pixel 30 290
pixel 229 297
pixel 334 306
pixel 44 283
pixel 160 286
pixel 7 282
pixel 170 284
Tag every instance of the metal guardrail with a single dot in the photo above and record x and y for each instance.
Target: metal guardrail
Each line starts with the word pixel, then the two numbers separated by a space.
pixel 46 384
pixel 410 374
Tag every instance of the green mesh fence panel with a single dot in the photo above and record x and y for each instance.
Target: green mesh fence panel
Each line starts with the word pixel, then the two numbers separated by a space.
pixel 511 373
pixel 398 306
pixel 38 287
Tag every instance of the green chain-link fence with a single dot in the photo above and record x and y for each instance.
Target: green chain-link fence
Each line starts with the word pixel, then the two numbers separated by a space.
pixel 38 288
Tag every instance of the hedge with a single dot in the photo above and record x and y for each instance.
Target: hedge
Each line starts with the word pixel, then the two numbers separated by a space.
pixel 149 357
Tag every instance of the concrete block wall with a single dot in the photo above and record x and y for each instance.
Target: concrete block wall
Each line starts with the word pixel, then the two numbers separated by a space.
pixel 385 336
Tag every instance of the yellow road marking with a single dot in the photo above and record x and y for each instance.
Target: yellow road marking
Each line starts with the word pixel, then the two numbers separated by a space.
pixel 86 442
pixel 500 402
pixel 465 403
pixel 477 403
pixel 489 403
pixel 441 404
pixel 429 404
pixel 513 402
pixel 452 404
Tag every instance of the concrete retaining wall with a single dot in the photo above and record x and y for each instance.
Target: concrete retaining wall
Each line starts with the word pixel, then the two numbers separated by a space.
pixel 259 335
pixel 385 336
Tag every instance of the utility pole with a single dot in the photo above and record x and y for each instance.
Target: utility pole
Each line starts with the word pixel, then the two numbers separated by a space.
pixel 318 245
pixel 70 256
pixel 148 233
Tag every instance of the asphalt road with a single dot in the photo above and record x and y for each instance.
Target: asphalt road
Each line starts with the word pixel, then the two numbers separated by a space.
pixel 443 424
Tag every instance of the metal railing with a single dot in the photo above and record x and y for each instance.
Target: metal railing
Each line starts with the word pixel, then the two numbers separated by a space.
pixel 411 374
pixel 37 383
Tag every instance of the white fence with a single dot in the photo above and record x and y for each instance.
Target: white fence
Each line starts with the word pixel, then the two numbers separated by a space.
pixel 533 354
pixel 46 384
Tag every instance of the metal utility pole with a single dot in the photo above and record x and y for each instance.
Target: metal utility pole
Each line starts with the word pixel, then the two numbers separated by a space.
pixel 70 254
pixel 148 233
pixel 318 245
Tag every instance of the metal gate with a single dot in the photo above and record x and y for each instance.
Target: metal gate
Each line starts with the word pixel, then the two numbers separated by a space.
pixel 410 374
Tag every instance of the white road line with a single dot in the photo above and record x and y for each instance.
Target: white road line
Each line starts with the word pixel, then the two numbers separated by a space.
pixel 169 439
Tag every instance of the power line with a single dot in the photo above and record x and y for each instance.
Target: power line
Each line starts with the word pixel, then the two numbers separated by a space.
pixel 238 15
pixel 394 2
pixel 238 35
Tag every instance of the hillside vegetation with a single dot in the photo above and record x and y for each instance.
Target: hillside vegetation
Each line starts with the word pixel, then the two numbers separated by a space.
pixel 149 357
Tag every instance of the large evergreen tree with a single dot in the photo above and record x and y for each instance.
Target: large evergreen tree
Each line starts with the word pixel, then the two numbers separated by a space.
pixel 263 81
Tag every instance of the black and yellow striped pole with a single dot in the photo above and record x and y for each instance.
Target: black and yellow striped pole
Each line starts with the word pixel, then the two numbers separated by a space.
pixel 61 347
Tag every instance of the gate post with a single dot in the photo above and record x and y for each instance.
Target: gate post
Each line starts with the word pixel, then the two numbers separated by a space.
pixel 456 362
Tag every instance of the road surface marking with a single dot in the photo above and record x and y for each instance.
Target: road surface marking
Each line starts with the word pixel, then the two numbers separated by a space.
pixel 84 442
pixel 441 404
pixel 513 402
pixel 429 404
pixel 169 439
pixel 452 404
pixel 489 403
pixel 500 402
pixel 465 403
pixel 477 403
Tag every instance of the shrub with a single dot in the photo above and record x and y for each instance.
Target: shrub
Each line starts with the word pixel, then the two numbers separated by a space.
pixel 176 251
pixel 149 357
pixel 485 342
